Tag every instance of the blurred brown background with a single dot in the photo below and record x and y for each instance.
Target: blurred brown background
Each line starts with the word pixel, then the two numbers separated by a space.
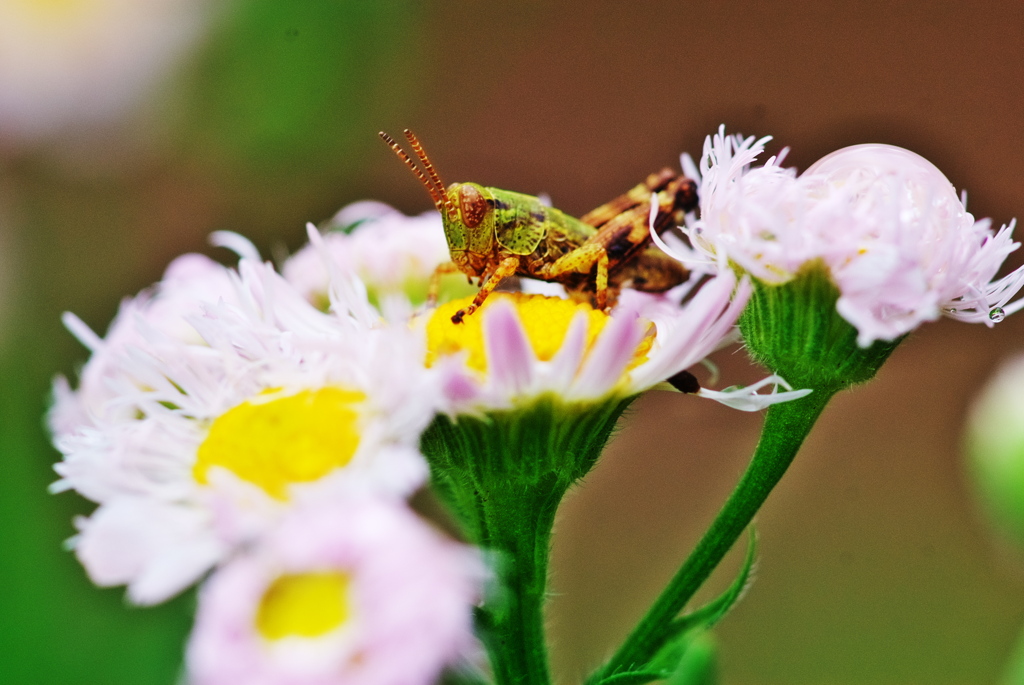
pixel 875 567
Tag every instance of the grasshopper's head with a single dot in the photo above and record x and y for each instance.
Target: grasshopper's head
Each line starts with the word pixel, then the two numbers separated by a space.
pixel 472 225
pixel 467 209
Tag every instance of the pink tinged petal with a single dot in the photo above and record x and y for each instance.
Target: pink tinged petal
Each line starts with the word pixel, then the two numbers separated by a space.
pixel 871 326
pixel 458 387
pixel 679 293
pixel 510 359
pixel 365 210
pixel 1007 288
pixel 724 325
pixel 884 295
pixel 188 269
pixel 606 363
pixel 977 306
pixel 566 363
pixel 704 322
pixel 412 593
pixel 66 414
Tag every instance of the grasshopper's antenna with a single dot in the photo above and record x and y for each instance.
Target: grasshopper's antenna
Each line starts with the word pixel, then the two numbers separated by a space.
pixel 425 161
pixel 422 156
pixel 431 188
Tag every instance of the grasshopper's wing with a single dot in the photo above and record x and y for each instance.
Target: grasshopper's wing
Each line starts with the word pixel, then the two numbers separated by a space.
pixel 521 221
pixel 622 223
pixel 637 196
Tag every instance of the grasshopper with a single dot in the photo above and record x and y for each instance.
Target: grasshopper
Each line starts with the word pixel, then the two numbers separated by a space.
pixel 495 234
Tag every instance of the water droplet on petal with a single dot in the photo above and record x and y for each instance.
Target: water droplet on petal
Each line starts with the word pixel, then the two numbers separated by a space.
pixel 996 314
pixel 951 310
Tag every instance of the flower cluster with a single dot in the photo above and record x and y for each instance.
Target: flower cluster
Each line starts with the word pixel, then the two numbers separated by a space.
pixel 260 431
pixel 262 428
pixel 226 423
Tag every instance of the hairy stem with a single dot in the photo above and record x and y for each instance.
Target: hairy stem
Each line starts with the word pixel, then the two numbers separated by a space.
pixel 502 476
pixel 518 529
pixel 785 427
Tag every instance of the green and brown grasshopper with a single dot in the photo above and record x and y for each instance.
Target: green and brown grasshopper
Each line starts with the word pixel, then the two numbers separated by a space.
pixel 495 234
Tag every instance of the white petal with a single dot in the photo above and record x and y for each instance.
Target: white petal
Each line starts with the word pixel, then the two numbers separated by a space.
pixel 159 549
pixel 238 244
pixel 748 399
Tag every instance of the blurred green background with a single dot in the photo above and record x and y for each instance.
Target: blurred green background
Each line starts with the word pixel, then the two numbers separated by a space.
pixel 876 566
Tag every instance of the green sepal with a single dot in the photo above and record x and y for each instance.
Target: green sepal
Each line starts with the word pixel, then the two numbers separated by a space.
pixel 502 475
pixel 687 654
pixel 546 445
pixel 794 330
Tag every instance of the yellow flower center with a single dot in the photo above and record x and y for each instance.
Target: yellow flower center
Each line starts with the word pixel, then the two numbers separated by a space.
pixel 274 441
pixel 304 605
pixel 545 320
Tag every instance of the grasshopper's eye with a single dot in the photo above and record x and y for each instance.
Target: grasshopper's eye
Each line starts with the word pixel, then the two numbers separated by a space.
pixel 473 205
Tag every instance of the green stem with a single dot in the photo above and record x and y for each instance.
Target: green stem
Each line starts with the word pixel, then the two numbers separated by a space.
pixel 518 528
pixel 502 476
pixel 785 427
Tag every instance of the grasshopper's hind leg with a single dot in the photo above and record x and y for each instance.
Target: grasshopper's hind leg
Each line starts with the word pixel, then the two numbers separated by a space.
pixel 590 257
pixel 506 268
pixel 601 280
pixel 622 240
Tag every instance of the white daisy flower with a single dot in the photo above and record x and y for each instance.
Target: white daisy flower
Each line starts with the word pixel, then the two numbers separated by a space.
pixel 895 238
pixel 84 62
pixel 354 592
pixel 518 347
pixel 393 254
pixel 277 402
pixel 158 315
